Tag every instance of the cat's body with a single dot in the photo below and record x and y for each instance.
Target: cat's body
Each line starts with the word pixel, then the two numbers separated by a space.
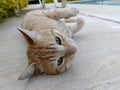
pixel 50 47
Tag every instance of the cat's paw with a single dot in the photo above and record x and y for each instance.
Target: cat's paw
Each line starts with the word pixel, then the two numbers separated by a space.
pixel 80 21
pixel 73 12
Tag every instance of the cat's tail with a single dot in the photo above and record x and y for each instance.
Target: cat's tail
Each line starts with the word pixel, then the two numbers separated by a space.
pixel 79 24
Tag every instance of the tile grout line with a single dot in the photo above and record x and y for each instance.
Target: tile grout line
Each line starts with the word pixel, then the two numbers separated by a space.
pixel 106 19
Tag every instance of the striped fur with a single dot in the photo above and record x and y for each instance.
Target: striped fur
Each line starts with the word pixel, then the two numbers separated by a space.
pixel 44 54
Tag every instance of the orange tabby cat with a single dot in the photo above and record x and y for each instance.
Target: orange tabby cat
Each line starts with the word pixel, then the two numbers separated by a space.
pixel 50 44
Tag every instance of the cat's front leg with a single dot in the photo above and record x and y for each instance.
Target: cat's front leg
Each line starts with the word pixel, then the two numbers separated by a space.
pixel 78 26
pixel 61 13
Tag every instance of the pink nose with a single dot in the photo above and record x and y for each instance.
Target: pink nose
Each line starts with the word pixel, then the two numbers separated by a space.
pixel 71 50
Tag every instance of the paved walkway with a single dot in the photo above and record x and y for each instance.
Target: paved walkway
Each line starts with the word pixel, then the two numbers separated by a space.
pixel 97 63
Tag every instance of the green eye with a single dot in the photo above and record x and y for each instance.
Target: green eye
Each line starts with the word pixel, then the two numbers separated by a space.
pixel 57 40
pixel 60 61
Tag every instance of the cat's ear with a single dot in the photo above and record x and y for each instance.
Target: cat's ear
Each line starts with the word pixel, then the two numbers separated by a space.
pixel 29 35
pixel 30 71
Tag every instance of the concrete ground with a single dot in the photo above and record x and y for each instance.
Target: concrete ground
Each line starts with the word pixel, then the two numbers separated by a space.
pixel 95 67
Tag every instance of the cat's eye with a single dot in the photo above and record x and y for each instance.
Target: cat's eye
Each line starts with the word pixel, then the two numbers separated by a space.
pixel 57 40
pixel 60 61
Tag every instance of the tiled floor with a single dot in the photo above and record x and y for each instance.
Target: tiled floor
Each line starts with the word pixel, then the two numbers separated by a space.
pixel 95 67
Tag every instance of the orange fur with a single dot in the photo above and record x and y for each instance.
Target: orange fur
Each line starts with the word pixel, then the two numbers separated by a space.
pixel 50 47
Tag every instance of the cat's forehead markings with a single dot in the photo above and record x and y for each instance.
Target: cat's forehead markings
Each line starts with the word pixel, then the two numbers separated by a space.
pixel 55 31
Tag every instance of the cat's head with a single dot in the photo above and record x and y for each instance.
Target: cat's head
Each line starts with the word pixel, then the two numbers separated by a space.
pixel 49 51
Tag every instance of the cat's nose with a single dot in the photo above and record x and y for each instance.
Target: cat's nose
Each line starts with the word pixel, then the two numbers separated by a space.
pixel 71 50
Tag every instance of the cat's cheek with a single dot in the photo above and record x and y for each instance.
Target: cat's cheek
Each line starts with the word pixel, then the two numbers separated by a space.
pixel 54 63
pixel 62 70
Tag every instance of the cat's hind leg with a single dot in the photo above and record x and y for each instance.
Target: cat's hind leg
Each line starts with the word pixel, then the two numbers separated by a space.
pixel 78 26
pixel 61 13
